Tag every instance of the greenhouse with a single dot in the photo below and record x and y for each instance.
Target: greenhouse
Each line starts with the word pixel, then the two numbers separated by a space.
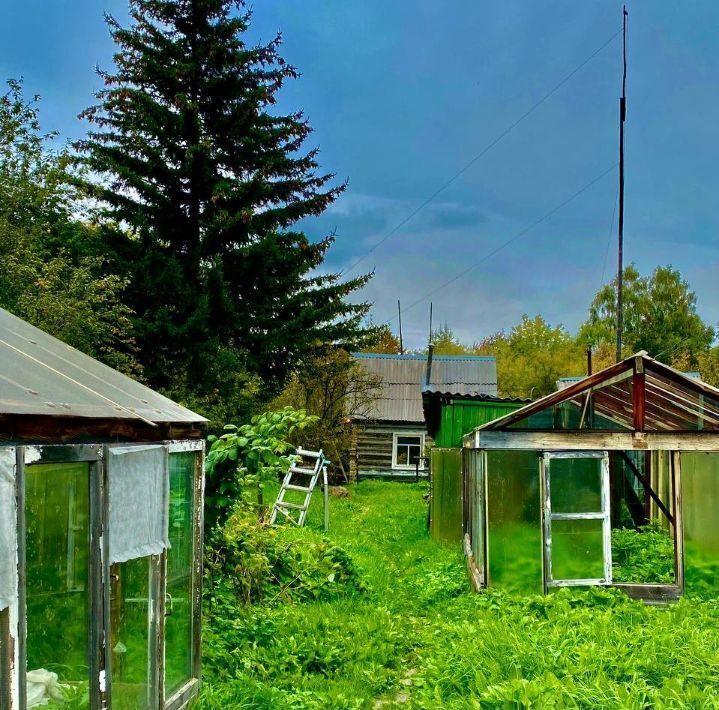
pixel 612 481
pixel 101 484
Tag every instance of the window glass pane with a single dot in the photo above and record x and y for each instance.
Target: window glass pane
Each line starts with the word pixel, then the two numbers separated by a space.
pixel 58 545
pixel 409 440
pixel 609 409
pixel 130 622
pixel 402 456
pixel 178 624
pixel 577 549
pixel 700 497
pixel 414 452
pixel 575 485
pixel 514 532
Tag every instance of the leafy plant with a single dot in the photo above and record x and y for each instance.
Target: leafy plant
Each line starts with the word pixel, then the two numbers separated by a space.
pixel 243 459
pixel 642 555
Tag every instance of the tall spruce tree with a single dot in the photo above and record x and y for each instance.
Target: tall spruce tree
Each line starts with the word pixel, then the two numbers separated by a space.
pixel 209 182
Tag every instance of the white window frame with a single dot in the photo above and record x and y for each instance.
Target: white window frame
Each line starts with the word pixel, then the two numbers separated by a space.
pixel 549 515
pixel 402 466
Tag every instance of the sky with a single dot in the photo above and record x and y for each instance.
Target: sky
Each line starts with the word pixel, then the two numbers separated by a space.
pixel 403 96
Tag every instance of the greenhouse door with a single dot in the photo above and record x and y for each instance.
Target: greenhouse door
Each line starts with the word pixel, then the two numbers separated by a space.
pixel 576 521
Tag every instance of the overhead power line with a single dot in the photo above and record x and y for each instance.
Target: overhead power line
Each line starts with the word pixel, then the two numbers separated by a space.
pixel 483 152
pixel 519 234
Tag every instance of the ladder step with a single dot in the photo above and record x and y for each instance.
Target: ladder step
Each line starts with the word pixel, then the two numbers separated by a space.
pixel 310 454
pixel 290 487
pixel 285 504
pixel 300 469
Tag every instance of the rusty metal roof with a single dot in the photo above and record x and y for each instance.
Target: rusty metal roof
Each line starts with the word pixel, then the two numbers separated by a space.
pixel 403 379
pixel 41 375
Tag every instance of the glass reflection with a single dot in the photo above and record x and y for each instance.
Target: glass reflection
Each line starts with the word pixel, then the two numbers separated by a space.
pixel 58 544
pixel 514 542
pixel 700 494
pixel 178 624
pixel 130 618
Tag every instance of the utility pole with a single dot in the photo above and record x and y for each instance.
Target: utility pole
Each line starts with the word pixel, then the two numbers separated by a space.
pixel 399 313
pixel 622 119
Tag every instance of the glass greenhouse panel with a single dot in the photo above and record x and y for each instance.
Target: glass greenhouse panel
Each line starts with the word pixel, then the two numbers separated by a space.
pixel 178 624
pixel 57 548
pixel 576 485
pixel 130 620
pixel 577 549
pixel 700 497
pixel 514 538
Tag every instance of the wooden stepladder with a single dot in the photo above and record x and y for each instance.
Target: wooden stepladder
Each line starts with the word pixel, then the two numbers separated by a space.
pixel 301 481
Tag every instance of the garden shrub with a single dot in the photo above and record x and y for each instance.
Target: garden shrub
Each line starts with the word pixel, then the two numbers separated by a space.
pixel 260 563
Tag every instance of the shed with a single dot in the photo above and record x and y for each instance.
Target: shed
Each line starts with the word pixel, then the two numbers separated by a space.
pixel 101 482
pixel 449 416
pixel 391 438
pixel 610 481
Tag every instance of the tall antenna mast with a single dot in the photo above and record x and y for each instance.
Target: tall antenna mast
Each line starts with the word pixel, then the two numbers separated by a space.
pixel 430 324
pixel 399 313
pixel 622 119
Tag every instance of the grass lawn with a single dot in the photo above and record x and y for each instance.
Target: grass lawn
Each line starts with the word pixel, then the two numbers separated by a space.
pixel 413 636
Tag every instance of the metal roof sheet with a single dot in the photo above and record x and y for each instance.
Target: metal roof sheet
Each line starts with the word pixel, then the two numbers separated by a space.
pixel 403 379
pixel 41 375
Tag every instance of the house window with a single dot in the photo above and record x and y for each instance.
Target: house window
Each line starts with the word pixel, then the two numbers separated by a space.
pixel 407 450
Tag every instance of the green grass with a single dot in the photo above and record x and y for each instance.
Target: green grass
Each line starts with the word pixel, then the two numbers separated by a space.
pixel 414 636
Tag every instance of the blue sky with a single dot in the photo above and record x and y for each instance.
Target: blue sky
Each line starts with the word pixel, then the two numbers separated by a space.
pixel 403 94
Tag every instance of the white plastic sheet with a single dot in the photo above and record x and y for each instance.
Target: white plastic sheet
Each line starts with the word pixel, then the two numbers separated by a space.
pixel 138 495
pixel 8 529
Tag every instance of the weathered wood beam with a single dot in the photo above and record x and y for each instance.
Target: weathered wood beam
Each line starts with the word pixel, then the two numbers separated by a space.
pixel 647 487
pixel 595 441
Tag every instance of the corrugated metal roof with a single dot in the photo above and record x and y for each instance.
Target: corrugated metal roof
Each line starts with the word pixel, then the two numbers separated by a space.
pixel 42 375
pixel 403 379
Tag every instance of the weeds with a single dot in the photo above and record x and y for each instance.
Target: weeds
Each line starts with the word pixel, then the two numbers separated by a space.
pixel 401 629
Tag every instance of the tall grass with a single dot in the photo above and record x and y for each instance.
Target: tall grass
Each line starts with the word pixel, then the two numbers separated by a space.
pixel 412 635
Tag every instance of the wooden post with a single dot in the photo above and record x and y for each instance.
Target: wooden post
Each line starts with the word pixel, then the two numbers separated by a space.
pixel 676 463
pixel 639 394
pixel 622 119
pixel 327 502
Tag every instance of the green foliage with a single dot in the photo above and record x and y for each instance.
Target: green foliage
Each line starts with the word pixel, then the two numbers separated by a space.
pixel 42 282
pixel 659 316
pixel 417 638
pixel 243 459
pixel 331 387
pixel 643 555
pixel 192 154
pixel 532 357
pixel 382 340
pixel 259 563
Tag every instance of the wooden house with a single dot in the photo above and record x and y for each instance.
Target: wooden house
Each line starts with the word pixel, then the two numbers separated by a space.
pixel 391 439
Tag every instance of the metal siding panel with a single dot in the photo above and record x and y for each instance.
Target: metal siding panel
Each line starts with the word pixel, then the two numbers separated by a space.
pixel 403 378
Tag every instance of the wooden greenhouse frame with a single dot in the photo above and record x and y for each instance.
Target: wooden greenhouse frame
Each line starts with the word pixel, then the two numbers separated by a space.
pixel 59 407
pixel 633 410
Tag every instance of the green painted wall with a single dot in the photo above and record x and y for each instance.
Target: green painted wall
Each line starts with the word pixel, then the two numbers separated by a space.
pixel 459 418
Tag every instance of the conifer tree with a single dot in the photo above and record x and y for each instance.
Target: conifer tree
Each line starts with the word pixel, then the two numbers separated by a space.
pixel 209 181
